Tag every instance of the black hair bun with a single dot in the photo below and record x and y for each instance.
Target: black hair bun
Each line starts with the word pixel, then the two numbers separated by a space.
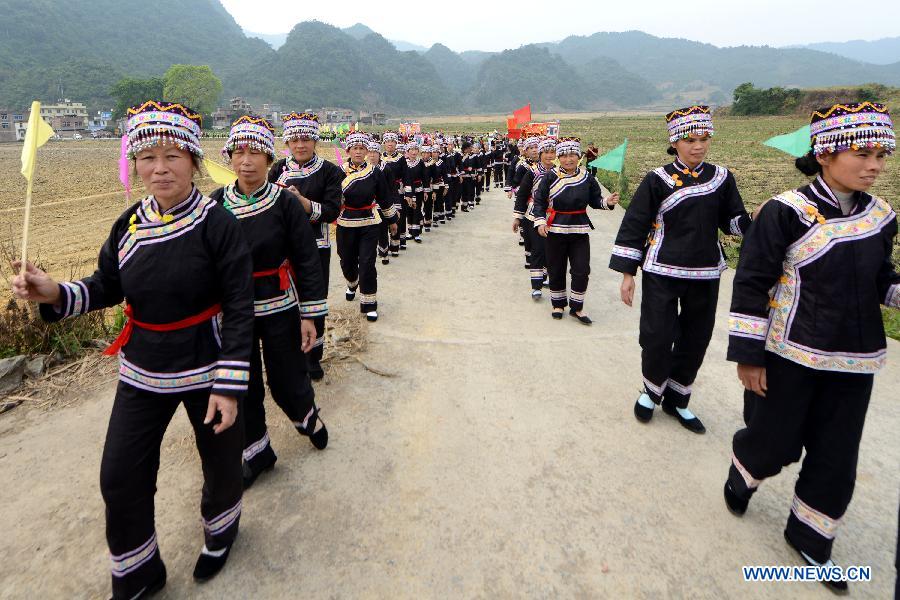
pixel 808 165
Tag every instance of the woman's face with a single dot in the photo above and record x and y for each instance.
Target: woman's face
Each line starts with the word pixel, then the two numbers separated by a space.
pixel 390 146
pixel 692 150
pixel 251 166
pixel 358 154
pixel 531 153
pixel 166 171
pixel 412 153
pixel 547 158
pixel 373 157
pixel 569 162
pixel 853 170
pixel 302 149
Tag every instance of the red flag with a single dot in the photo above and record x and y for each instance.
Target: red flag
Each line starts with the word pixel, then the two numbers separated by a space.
pixel 523 115
pixel 511 123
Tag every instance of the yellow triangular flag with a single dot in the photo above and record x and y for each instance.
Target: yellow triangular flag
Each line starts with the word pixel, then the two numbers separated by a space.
pixel 36 135
pixel 220 174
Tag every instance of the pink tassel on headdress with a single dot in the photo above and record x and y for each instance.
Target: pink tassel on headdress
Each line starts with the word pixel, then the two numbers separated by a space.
pixel 123 168
pixel 338 157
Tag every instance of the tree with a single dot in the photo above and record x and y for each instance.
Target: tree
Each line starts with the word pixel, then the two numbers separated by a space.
pixel 194 86
pixel 131 91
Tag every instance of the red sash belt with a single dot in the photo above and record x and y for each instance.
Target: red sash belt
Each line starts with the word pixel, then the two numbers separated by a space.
pixel 131 323
pixel 551 214
pixel 283 271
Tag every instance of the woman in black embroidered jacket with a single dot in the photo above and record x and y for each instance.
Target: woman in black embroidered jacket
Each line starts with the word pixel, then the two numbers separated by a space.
pixel 368 199
pixel 523 216
pixel 670 230
pixel 560 205
pixel 805 325
pixel 180 262
pixel 317 182
pixel 289 292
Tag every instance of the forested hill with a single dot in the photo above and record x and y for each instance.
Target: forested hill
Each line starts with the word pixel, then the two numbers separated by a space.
pixel 85 46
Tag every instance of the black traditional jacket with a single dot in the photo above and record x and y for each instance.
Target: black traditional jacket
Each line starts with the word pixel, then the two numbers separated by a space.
pixel 320 181
pixel 672 225
pixel 810 282
pixel 561 200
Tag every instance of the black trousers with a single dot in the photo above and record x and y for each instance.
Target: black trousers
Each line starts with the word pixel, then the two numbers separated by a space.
pixel 677 318
pixel 487 177
pixel 440 204
pixel 128 480
pixel 288 377
pixel 479 186
pixel 572 250
pixel 398 240
pixel 535 254
pixel 822 412
pixel 468 192
pixel 384 238
pixel 428 209
pixel 315 355
pixel 414 214
pixel 498 175
pixel 356 249
pixel 527 233
pixel 454 191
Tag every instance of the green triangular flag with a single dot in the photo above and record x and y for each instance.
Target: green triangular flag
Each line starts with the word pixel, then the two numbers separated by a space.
pixel 614 160
pixel 796 144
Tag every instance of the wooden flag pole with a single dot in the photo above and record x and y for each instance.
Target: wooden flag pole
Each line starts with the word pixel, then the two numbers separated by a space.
pixel 25 226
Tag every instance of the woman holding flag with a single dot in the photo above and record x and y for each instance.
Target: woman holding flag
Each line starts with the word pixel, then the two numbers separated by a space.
pixel 289 292
pixel 807 354
pixel 181 263
pixel 561 200
pixel 367 200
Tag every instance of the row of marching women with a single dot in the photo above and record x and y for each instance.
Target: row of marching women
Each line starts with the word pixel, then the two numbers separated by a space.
pixel 806 354
pixel 217 286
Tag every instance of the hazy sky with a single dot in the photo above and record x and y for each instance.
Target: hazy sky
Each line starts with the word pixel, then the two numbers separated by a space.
pixel 491 25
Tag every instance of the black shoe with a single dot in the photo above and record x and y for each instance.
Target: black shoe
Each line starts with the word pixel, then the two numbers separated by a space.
pixel 319 438
pixel 403 247
pixel 316 372
pixel 372 316
pixel 158 584
pixel 521 242
pixel 385 261
pixel 582 318
pixel 428 229
pixel 557 315
pixel 417 239
pixel 641 412
pixel 395 253
pixel 250 474
pixel 838 587
pixel 737 506
pixel 694 425
pixel 464 209
pixel 208 566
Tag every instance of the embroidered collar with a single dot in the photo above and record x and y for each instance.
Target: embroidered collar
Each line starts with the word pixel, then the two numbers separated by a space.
pixel 308 167
pixel 233 198
pixel 824 193
pixel 563 175
pixel 685 170
pixel 149 211
pixel 414 163
pixel 349 167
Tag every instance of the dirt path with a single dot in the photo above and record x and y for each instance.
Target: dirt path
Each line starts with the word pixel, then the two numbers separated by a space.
pixel 483 468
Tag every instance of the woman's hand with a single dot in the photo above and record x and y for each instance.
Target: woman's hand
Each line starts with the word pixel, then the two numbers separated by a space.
pixel 542 230
pixel 304 201
pixel 307 334
pixel 34 284
pixel 393 228
pixel 227 406
pixel 758 208
pixel 411 201
pixel 516 224
pixel 626 290
pixel 753 378
pixel 613 199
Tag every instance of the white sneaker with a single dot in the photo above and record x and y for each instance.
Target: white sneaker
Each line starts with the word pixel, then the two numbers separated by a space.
pixel 536 294
pixel 372 316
